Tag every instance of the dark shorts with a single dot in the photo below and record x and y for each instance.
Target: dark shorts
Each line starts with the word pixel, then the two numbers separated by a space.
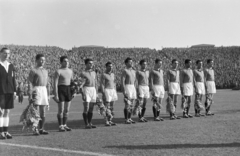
pixel 6 101
pixel 64 93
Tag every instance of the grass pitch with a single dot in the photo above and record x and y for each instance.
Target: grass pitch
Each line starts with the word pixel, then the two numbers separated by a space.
pixel 204 136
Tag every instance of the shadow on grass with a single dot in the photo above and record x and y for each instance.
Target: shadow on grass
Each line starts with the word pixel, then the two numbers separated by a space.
pixel 16 130
pixel 52 126
pixel 175 146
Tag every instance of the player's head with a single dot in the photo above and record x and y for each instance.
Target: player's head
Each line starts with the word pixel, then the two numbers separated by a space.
pixel 188 63
pixel 40 60
pixel 158 63
pixel 210 62
pixel 109 66
pixel 143 64
pixel 64 61
pixel 4 54
pixel 128 62
pixel 174 63
pixel 199 64
pixel 89 63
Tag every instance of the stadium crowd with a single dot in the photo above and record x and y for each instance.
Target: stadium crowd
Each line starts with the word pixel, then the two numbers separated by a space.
pixel 226 60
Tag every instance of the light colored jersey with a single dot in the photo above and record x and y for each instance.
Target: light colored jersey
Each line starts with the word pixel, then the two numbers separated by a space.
pixel 64 76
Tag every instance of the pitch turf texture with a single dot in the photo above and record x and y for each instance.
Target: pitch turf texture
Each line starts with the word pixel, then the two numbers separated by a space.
pixel 214 135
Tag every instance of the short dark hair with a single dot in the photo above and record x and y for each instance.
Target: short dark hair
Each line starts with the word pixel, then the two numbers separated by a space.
pixel 209 60
pixel 158 60
pixel 127 60
pixel 87 60
pixel 174 60
pixel 62 58
pixel 198 61
pixel 3 49
pixel 187 61
pixel 38 56
pixel 142 61
pixel 108 63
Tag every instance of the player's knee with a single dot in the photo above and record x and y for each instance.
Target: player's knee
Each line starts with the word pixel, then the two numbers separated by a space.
pixel 65 114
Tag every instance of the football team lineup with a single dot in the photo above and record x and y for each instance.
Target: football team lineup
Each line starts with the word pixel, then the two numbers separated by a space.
pixel 137 88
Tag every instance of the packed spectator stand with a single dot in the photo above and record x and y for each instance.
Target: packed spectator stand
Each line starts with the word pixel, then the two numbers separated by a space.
pixel 226 60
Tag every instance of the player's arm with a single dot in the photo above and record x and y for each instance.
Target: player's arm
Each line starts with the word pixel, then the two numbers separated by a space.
pixel 168 80
pixel 102 84
pixel 48 86
pixel 123 78
pixel 30 84
pixel 14 82
pixel 96 82
pixel 151 81
pixel 136 81
pixel 55 90
pixel 181 80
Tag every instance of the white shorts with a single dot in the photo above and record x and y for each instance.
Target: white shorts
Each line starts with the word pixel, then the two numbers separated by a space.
pixel 200 88
pixel 131 91
pixel 90 93
pixel 144 91
pixel 158 91
pixel 188 89
pixel 211 87
pixel 111 95
pixel 174 88
pixel 40 95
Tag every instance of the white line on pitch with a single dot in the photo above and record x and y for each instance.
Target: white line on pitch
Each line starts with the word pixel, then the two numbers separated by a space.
pixel 55 149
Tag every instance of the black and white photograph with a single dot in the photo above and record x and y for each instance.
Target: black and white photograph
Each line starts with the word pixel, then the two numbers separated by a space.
pixel 119 78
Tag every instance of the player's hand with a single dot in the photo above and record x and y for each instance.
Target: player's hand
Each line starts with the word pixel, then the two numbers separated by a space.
pixel 15 96
pixel 29 98
pixel 83 97
pixel 1 111
pixel 48 107
pixel 56 99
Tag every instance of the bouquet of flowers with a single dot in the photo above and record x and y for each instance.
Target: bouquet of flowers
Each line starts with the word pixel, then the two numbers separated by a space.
pixel 129 102
pixel 30 116
pixel 156 104
pixel 137 109
pixel 198 105
pixel 209 102
pixel 73 88
pixel 170 108
pixel 184 103
pixel 102 110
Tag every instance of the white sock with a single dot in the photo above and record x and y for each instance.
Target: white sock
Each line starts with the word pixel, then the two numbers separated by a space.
pixel 5 121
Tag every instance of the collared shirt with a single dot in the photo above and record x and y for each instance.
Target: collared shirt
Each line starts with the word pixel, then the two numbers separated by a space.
pixel 64 75
pixel 38 77
pixel 89 78
pixel 173 75
pixel 142 77
pixel 186 76
pixel 108 80
pixel 209 74
pixel 198 75
pixel 129 75
pixel 5 65
pixel 157 77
